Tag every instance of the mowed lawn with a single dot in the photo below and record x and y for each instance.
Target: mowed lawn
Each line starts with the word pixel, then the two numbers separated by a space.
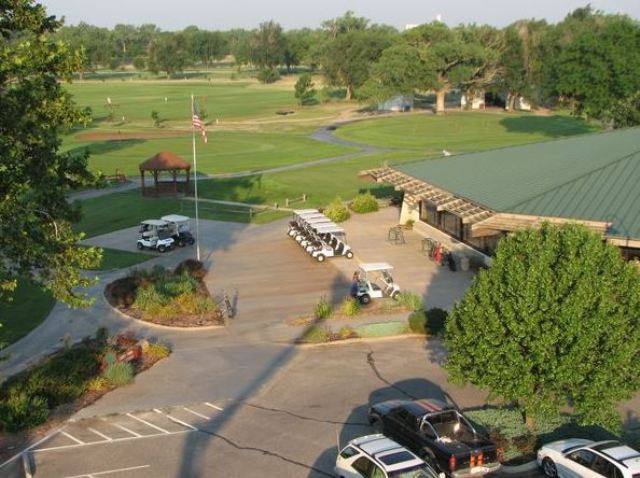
pixel 29 307
pixel 462 131
pixel 226 151
pixel 135 100
pixel 321 184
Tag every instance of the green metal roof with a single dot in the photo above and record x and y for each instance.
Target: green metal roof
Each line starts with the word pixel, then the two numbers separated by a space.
pixel 592 177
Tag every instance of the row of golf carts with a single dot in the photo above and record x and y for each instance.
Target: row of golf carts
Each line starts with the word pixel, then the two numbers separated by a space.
pixel 318 235
pixel 165 233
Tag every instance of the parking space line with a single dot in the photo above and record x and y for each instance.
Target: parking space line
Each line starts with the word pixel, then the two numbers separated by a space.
pixel 99 434
pixel 213 406
pixel 180 422
pixel 196 413
pixel 117 470
pixel 79 442
pixel 147 423
pixel 114 440
pixel 126 430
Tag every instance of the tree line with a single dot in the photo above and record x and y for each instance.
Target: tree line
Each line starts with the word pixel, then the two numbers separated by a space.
pixel 587 62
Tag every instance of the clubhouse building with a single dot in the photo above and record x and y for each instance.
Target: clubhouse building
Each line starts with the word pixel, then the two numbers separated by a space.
pixel 476 198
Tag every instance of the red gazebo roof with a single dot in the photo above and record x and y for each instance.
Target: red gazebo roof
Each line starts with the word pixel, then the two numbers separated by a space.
pixel 164 161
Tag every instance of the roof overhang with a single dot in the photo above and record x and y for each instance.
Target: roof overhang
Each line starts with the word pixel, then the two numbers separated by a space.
pixel 508 222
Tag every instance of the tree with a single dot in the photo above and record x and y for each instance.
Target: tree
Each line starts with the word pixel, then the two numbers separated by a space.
pixel 597 71
pixel 268 45
pixel 553 322
pixel 304 90
pixel 167 53
pixel 521 61
pixel 350 51
pixel 36 238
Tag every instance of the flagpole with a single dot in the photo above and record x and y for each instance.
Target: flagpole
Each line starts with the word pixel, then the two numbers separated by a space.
pixel 195 180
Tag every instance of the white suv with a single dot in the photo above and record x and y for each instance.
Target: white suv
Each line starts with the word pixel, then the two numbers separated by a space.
pixel 376 456
pixel 577 457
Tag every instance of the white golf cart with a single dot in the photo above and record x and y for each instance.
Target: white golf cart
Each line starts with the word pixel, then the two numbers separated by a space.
pixel 179 229
pixel 155 234
pixel 332 243
pixel 298 220
pixel 370 274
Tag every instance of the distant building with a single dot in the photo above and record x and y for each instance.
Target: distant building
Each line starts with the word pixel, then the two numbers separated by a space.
pixel 478 102
pixel 477 198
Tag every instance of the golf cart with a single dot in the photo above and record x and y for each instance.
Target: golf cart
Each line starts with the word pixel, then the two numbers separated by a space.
pixel 155 234
pixel 368 288
pixel 179 229
pixel 332 243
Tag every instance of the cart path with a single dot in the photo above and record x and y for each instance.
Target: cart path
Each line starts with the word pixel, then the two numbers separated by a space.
pixel 323 134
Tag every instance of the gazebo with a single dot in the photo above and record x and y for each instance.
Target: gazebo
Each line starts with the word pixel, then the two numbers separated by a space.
pixel 171 163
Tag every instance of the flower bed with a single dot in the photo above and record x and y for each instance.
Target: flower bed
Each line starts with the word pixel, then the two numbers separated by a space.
pixel 71 379
pixel 176 298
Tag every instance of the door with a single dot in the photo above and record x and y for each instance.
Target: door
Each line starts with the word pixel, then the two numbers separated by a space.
pixel 577 464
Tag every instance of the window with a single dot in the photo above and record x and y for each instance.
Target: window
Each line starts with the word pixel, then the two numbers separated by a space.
pixel 363 466
pixel 429 213
pixel 348 452
pixel 604 467
pixel 583 457
pixel 367 468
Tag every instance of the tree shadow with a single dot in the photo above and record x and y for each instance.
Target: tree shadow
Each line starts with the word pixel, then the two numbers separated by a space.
pixel 551 126
pixel 104 147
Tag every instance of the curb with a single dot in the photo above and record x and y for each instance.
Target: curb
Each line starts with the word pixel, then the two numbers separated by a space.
pixel 124 316
pixel 516 470
pixel 356 340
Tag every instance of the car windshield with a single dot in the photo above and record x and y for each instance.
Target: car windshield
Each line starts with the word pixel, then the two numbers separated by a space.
pixel 418 471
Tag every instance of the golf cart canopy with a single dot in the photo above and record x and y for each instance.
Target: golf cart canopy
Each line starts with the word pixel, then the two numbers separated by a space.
pixel 375 266
pixel 175 218
pixel 318 220
pixel 328 229
pixel 154 222
pixel 301 212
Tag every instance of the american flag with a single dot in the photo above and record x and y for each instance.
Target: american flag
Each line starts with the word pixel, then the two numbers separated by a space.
pixel 199 124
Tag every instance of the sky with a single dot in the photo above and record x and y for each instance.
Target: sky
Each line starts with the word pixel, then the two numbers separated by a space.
pixel 227 14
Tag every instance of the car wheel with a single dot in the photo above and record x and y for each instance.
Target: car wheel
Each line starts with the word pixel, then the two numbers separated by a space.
pixel 320 257
pixel 140 246
pixel 549 468
pixel 365 299
pixel 181 243
pixel 349 255
pixel 395 295
pixel 192 241
pixel 162 248
pixel 376 424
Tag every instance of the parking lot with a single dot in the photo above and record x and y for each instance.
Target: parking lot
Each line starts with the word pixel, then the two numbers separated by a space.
pixel 290 428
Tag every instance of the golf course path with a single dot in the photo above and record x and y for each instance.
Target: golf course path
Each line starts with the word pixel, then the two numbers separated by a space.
pixel 325 134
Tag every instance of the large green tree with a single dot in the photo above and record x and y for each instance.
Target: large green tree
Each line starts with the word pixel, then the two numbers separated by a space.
pixel 555 321
pixel 168 53
pixel 268 45
pixel 350 50
pixel 36 238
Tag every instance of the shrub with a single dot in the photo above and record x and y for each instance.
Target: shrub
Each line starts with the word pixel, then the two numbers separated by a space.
pixel 350 307
pixel 336 211
pixel 322 309
pixel 436 319
pixel 347 333
pixel 20 411
pixel 176 285
pixel 409 224
pixel 97 384
pixel 119 373
pixel 268 75
pixel 192 267
pixel 123 291
pixel 410 300
pixel 157 351
pixel 315 334
pixel 102 334
pixel 418 322
pixel 148 297
pixel 364 203
pixel 526 444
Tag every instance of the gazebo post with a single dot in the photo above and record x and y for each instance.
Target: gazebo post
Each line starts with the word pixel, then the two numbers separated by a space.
pixel 175 183
pixel 142 181
pixel 187 190
pixel 155 181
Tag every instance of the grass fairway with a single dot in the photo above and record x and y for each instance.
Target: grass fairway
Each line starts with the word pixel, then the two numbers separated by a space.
pixel 30 306
pixel 226 151
pixel 462 131
pixel 135 100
